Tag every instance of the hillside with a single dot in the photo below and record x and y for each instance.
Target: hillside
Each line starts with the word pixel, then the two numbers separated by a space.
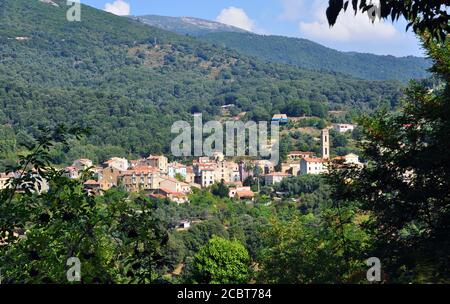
pixel 105 72
pixel 187 25
pixel 307 54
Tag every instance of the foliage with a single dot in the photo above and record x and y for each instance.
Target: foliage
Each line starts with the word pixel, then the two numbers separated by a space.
pixel 221 262
pixel 306 249
pixel 116 241
pixel 310 55
pixel 405 186
pixel 106 72
pixel 220 189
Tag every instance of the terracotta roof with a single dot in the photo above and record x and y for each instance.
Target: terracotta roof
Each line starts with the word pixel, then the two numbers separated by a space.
pixel 142 170
pixel 245 193
pixel 91 182
pixel 168 178
pixel 339 158
pixel 313 160
pixel 177 194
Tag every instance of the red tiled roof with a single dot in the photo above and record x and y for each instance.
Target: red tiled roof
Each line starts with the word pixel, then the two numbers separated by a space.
pixel 142 170
pixel 177 194
pixel 313 160
pixel 245 193
pixel 91 183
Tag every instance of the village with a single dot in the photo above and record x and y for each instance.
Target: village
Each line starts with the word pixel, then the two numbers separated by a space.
pixel 158 178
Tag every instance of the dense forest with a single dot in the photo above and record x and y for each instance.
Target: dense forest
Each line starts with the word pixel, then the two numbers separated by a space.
pixel 310 55
pixel 299 52
pixel 128 82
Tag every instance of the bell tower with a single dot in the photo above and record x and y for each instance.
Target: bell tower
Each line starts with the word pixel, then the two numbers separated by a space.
pixel 325 144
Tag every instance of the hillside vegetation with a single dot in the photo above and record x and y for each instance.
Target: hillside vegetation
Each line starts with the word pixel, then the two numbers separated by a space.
pixel 308 54
pixel 106 72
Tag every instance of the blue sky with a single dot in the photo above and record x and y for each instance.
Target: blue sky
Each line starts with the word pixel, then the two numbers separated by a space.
pixel 293 18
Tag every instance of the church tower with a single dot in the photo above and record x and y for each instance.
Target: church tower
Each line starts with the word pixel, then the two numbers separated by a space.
pixel 325 144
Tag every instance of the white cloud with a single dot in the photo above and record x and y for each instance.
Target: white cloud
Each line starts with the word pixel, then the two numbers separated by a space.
pixel 348 28
pixel 292 9
pixel 118 7
pixel 236 17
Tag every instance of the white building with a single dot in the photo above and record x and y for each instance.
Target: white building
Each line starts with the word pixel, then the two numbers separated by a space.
pixel 342 128
pixel 275 178
pixel 177 168
pixel 350 159
pixel 312 166
pixel 118 163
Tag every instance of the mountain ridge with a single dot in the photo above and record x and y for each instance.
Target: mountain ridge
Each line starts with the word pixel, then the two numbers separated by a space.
pixel 129 82
pixel 187 25
pixel 302 52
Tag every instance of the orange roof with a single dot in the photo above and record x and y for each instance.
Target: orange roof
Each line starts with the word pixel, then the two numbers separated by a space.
pixel 91 182
pixel 142 170
pixel 339 158
pixel 313 160
pixel 178 194
pixel 171 179
pixel 245 193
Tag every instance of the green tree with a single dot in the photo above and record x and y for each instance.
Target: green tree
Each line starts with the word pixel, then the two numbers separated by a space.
pixel 220 189
pixel 306 249
pixel 405 186
pixel 116 239
pixel 221 262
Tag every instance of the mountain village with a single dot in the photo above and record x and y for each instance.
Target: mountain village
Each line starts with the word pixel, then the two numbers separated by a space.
pixel 159 178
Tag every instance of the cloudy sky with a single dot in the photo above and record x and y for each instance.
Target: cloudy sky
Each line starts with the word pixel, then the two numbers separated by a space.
pixel 293 18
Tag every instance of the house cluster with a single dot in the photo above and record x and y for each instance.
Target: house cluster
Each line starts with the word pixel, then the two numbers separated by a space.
pixel 159 178
pixel 162 179
pixel 303 163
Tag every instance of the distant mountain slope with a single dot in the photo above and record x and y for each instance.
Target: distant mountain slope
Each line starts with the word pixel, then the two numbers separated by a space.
pixel 106 72
pixel 187 25
pixel 307 54
pixel 299 52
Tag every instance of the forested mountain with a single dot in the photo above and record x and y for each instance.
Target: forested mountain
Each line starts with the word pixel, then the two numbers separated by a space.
pixel 106 72
pixel 187 25
pixel 308 54
pixel 299 52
